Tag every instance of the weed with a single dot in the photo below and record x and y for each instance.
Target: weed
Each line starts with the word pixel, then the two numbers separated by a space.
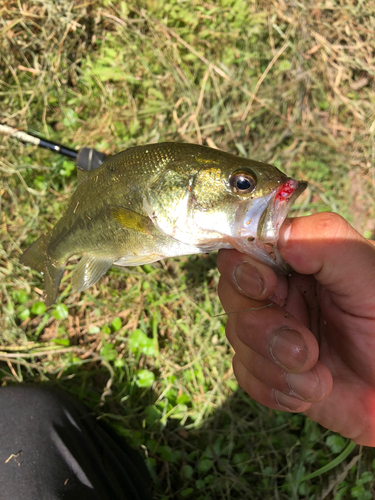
pixel 286 83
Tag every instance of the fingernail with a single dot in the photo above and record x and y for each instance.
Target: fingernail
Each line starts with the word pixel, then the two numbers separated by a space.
pixel 248 279
pixel 288 348
pixel 303 385
pixel 286 401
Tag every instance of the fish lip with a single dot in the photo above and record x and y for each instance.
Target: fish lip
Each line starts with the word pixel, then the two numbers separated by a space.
pixel 277 210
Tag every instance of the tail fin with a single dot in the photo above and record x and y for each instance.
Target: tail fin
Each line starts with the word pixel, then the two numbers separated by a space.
pixel 37 258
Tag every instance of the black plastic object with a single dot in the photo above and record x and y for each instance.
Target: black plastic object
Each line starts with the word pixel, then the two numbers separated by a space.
pixel 89 159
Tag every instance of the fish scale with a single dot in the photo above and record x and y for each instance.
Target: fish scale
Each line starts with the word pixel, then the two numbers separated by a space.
pixel 164 200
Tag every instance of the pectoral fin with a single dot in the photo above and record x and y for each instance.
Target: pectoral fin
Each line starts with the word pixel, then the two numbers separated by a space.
pixel 131 220
pixel 89 270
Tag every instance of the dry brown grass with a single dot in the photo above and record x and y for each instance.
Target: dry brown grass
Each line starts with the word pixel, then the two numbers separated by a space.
pixel 284 82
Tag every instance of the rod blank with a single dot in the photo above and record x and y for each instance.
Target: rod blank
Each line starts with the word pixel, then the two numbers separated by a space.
pixel 38 141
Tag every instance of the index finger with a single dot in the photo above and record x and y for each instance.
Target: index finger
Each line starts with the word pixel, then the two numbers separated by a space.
pixel 326 246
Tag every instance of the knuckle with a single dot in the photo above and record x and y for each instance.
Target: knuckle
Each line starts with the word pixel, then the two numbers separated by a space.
pixel 229 332
pixel 242 326
pixel 220 289
pixel 330 224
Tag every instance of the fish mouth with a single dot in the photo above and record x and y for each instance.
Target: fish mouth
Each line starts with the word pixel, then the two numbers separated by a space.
pixel 277 210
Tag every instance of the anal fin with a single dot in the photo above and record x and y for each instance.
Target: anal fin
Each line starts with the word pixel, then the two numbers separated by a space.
pixel 89 270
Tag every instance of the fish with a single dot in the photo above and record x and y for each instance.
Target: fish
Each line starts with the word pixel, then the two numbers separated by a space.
pixel 162 200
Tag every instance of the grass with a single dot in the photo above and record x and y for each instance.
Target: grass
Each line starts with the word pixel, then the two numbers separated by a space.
pixel 290 84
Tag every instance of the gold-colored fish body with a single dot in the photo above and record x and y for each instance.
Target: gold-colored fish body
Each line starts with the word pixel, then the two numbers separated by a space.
pixel 162 200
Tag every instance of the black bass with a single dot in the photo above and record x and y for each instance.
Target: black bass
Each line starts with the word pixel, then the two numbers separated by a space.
pixel 165 200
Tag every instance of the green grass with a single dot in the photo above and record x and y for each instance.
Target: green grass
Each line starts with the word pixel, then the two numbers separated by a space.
pixel 291 85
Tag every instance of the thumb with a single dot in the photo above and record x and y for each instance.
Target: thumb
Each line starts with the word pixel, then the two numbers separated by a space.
pixel 340 259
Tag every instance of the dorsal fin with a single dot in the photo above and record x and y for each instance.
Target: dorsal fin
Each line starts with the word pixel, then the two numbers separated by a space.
pixel 83 175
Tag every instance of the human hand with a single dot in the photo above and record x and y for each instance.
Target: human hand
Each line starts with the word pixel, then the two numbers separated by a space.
pixel 313 350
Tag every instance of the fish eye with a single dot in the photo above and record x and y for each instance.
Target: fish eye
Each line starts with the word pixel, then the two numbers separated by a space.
pixel 242 182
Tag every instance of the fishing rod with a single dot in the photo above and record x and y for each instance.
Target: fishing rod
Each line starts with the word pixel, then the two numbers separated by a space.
pixel 85 158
